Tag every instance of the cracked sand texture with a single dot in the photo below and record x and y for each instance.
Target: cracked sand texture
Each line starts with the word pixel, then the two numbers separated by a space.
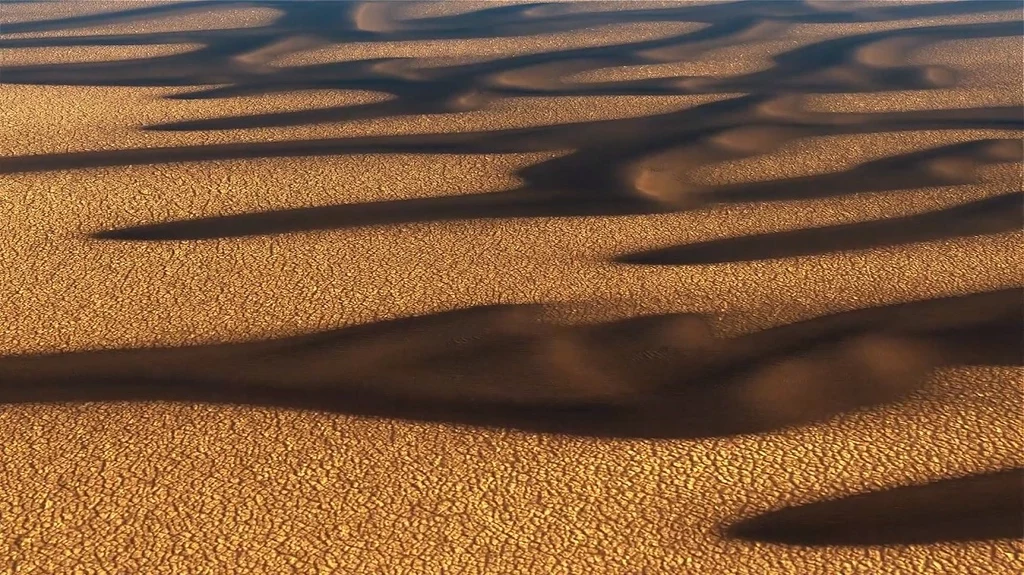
pixel 178 488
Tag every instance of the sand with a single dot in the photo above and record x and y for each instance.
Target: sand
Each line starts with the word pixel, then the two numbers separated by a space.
pixel 172 487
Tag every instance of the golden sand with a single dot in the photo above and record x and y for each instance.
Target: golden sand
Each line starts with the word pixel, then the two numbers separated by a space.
pixel 201 19
pixel 173 488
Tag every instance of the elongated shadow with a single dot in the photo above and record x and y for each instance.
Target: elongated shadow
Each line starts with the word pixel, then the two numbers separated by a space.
pixel 974 508
pixel 999 214
pixel 509 367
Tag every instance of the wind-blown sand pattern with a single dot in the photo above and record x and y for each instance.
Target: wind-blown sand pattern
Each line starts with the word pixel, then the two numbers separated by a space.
pixel 482 287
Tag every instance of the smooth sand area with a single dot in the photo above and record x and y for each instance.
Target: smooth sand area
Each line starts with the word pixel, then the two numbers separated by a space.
pixel 667 107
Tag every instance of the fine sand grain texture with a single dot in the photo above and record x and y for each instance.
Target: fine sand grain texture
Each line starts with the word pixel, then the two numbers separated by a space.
pixel 505 287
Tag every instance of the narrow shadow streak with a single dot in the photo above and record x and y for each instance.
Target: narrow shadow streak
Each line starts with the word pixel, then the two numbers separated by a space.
pixel 998 214
pixel 974 508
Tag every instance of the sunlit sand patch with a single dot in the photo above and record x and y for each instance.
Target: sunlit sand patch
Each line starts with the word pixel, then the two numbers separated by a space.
pixel 80 54
pixel 92 118
pixel 959 98
pixel 188 20
pixel 526 112
pixel 819 155
pixel 418 10
pixel 482 49
pixel 513 113
pixel 253 185
pixel 720 62
pixel 78 452
pixel 86 118
pixel 798 35
pixel 808 33
pixel 32 11
pixel 1009 14
pixel 570 7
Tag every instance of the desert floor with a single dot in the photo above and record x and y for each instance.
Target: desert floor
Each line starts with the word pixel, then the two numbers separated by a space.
pixel 190 174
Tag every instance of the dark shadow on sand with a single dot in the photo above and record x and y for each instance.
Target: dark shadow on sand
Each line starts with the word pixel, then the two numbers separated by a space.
pixel 998 214
pixel 975 508
pixel 509 367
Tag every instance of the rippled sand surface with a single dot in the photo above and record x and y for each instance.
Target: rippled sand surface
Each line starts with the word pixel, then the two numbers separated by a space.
pixel 203 201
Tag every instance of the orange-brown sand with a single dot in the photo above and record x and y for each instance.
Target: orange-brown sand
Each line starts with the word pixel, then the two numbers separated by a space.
pixel 162 487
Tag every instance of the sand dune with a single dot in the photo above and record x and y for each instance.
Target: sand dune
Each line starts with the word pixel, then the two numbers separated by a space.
pixel 604 287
